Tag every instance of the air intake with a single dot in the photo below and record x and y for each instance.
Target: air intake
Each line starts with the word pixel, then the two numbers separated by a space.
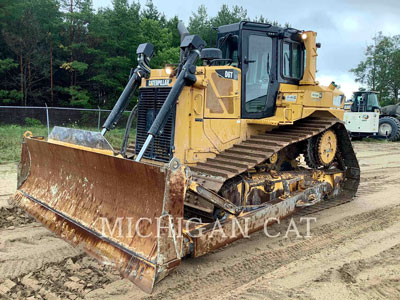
pixel 150 103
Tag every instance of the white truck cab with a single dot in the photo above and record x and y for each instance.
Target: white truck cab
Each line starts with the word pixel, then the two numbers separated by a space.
pixel 362 114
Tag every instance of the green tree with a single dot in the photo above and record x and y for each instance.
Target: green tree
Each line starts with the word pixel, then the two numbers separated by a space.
pixel 394 72
pixel 8 96
pixel 25 28
pixel 151 12
pixel 62 52
pixel 228 16
pixel 379 71
pixel 113 38
pixel 199 23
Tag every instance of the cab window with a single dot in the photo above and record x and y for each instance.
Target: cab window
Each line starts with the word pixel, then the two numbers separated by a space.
pixel 229 47
pixel 357 103
pixel 292 60
pixel 258 73
pixel 372 102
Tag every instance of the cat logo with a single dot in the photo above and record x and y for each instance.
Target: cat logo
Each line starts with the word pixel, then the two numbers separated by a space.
pixel 158 82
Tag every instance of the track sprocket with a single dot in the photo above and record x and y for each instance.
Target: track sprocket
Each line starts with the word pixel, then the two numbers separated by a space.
pixel 326 148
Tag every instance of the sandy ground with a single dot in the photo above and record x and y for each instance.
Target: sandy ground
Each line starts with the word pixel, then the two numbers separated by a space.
pixel 354 252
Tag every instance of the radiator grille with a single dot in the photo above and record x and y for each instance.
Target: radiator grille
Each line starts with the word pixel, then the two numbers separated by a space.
pixel 150 102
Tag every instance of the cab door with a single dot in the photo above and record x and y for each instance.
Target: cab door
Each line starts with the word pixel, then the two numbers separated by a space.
pixel 259 81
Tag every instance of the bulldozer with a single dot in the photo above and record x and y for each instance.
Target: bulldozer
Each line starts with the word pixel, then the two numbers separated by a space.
pixel 230 140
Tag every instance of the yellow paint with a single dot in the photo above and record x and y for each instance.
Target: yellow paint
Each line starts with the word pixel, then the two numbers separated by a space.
pixel 311 58
pixel 327 147
pixel 27 134
pixel 223 95
pixel 278 188
pixel 208 114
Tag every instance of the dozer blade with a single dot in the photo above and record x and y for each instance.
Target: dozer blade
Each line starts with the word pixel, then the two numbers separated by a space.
pixel 121 212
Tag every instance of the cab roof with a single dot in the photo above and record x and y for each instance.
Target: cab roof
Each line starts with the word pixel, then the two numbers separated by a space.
pixel 253 26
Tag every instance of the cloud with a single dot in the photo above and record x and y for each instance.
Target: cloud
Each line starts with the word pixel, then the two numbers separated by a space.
pixel 344 27
pixel 378 8
pixel 345 81
pixel 317 20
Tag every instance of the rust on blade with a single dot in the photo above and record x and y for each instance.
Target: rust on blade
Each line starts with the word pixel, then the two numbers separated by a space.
pixel 24 165
pixel 170 242
pixel 108 205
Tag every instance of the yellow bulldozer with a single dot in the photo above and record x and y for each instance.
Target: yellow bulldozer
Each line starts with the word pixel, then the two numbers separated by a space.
pixel 228 141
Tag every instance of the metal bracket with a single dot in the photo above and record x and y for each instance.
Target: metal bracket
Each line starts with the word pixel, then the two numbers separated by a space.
pixel 215 199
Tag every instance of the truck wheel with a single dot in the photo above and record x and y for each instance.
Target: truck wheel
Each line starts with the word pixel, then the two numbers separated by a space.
pixel 389 127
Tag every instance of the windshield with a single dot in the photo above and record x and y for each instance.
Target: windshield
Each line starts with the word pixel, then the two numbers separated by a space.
pixel 229 47
pixel 292 59
pixel 365 102
pixel 372 102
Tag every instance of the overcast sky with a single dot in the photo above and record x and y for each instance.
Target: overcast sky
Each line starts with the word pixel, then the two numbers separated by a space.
pixel 344 27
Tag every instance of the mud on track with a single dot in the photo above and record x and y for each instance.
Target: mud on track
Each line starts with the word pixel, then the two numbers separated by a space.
pixel 353 253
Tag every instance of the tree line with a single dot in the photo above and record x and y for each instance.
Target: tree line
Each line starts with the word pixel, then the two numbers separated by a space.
pixel 380 69
pixel 65 53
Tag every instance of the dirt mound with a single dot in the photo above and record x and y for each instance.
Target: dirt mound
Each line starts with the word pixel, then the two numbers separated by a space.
pixel 13 216
pixel 72 278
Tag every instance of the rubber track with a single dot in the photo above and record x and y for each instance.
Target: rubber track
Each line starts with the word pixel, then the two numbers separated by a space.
pixel 213 173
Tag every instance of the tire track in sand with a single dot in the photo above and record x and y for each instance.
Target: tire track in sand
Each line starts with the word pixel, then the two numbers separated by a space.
pixel 234 267
pixel 25 249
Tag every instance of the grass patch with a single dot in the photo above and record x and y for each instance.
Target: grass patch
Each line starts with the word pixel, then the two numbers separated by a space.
pixel 370 140
pixel 11 138
pixel 375 140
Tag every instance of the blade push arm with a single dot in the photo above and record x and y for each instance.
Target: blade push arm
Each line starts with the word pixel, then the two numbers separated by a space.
pixel 144 52
pixel 191 45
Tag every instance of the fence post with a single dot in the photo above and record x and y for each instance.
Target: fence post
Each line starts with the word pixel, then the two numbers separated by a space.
pixel 47 119
pixel 98 121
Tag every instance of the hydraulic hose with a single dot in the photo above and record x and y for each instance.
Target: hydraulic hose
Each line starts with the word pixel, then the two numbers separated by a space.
pixel 184 76
pixel 132 115
pixel 123 101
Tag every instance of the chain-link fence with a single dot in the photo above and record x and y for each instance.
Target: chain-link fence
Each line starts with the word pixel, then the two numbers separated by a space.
pixel 58 116
pixel 16 120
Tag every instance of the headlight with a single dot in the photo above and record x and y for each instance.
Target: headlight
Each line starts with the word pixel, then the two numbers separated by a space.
pixel 168 70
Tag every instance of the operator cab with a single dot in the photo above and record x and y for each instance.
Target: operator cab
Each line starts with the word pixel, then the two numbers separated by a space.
pixel 267 55
pixel 365 102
